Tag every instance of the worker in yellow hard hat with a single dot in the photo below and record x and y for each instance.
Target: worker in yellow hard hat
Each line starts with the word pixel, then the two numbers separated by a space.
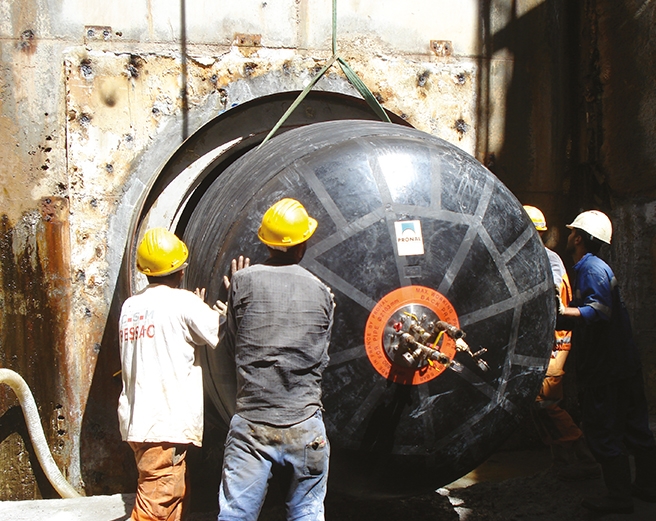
pixel 614 412
pixel 279 322
pixel 572 460
pixel 160 408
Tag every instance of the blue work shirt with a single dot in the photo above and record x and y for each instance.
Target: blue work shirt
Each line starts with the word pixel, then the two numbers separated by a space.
pixel 278 328
pixel 602 341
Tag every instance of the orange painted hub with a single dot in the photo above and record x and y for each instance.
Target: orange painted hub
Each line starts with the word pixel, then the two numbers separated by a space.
pixel 381 321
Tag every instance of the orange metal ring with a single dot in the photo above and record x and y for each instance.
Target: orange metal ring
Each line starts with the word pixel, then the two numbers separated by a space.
pixel 381 314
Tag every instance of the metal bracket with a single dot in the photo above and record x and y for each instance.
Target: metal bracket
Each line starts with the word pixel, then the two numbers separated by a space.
pixel 248 40
pixel 97 33
pixel 442 48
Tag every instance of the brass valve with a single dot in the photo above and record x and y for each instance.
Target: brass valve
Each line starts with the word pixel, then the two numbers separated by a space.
pixel 413 340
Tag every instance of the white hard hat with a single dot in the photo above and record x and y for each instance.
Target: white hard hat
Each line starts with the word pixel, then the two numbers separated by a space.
pixel 595 223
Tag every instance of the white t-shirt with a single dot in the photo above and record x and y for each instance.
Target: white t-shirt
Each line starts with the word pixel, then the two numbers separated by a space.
pixel 557 266
pixel 162 397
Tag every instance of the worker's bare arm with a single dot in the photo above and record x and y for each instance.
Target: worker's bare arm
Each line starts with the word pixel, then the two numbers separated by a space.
pixel 568 318
pixel 571 312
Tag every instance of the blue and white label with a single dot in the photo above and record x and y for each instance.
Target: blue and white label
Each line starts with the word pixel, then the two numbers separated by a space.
pixel 409 240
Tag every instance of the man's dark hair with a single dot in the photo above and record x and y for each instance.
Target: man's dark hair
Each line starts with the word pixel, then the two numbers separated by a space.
pixel 172 279
pixel 291 252
pixel 592 244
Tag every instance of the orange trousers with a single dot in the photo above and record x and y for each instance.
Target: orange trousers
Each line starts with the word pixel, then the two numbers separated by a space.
pixel 162 487
pixel 553 423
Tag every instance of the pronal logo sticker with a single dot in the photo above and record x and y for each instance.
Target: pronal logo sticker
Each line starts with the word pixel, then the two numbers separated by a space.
pixel 409 240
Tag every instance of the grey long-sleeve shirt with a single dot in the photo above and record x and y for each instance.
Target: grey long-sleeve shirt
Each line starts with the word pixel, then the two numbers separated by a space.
pixel 278 329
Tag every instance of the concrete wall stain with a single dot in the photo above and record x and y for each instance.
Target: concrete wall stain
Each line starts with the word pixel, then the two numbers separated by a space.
pixel 33 327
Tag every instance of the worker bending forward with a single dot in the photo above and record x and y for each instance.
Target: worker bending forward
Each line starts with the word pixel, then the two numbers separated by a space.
pixel 278 328
pixel 160 409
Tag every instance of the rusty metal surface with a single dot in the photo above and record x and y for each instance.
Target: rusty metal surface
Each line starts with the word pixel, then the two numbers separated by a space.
pixel 36 302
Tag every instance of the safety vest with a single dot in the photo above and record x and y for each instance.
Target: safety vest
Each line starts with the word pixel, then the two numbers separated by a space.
pixel 564 338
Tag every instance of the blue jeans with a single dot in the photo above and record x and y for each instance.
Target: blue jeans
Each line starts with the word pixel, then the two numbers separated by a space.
pixel 251 451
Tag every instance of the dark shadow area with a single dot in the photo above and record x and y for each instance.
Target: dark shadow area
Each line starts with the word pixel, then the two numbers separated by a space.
pixel 385 418
pixel 128 502
pixel 540 103
pixel 107 463
pixel 429 507
pixel 482 152
pixel 616 75
pixel 205 463
pixel 537 497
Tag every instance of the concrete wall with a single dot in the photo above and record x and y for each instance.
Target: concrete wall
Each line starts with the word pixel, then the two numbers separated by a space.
pixel 93 91
pixel 618 143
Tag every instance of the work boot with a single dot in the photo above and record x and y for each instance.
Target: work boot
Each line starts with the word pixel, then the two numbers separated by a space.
pixel 579 471
pixel 584 466
pixel 617 477
pixel 560 456
pixel 644 486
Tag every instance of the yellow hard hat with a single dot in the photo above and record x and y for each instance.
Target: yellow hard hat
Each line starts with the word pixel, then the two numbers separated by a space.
pixel 537 217
pixel 161 253
pixel 286 223
pixel 595 223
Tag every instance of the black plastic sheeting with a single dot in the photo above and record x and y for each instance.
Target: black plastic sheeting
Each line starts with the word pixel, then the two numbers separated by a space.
pixel 481 252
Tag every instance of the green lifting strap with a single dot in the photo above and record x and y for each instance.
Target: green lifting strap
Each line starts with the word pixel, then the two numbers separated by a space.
pixel 351 76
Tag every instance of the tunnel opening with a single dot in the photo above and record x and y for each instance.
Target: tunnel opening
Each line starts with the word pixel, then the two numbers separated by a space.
pixel 392 434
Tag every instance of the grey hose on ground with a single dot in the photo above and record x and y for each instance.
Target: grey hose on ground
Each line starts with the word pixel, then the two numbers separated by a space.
pixel 31 413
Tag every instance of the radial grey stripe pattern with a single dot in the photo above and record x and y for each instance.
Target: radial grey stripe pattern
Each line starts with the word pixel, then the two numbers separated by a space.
pixel 465 246
pixel 391 212
pixel 368 403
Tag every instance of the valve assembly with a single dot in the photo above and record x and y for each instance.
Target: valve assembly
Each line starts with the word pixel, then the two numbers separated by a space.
pixel 414 336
